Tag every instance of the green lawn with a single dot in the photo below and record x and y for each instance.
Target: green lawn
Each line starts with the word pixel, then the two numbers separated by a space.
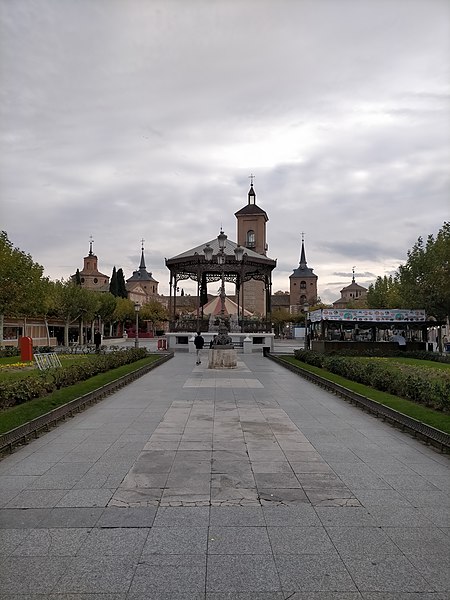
pixel 18 415
pixel 415 362
pixel 426 415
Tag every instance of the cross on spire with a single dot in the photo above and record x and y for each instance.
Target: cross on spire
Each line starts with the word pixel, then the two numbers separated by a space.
pixel 251 177
pixel 91 241
pixel 142 244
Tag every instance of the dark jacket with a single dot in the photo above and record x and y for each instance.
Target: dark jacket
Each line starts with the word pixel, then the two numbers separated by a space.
pixel 199 342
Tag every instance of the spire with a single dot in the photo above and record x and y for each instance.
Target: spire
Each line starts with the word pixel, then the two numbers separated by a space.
pixel 91 241
pixel 353 274
pixel 251 193
pixel 142 265
pixel 302 253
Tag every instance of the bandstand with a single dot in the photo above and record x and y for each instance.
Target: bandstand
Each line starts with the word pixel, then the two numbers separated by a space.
pixel 220 260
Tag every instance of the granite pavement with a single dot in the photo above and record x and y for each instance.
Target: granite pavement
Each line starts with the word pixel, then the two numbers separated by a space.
pixel 243 484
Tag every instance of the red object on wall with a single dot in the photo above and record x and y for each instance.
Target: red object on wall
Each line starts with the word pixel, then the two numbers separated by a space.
pixel 26 349
pixel 162 344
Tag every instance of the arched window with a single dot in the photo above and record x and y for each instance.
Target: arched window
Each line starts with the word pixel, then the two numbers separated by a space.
pixel 251 243
pixel 303 285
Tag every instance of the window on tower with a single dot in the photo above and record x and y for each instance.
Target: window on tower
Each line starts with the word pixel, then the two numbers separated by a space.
pixel 251 241
pixel 303 285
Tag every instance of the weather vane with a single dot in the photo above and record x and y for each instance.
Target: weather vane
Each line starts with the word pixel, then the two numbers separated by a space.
pixel 142 244
pixel 251 177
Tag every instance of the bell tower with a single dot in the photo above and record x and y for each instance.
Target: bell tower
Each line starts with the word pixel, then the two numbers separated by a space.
pixel 251 224
pixel 303 284
pixel 251 234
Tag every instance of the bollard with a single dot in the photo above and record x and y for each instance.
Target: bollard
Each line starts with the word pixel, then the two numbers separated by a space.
pixel 26 349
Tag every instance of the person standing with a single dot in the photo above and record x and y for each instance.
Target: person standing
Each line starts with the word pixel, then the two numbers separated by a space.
pixel 199 342
pixel 97 340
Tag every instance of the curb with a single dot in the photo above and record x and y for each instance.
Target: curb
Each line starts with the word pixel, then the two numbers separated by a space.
pixel 21 434
pixel 430 435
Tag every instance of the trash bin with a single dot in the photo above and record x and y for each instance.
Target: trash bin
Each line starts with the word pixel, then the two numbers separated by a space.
pixel 162 344
pixel 26 349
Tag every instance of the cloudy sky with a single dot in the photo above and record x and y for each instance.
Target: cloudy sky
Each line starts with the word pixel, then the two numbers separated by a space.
pixel 131 119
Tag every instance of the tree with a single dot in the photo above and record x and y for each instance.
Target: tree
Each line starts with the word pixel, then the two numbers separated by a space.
pixel 154 312
pixel 106 307
pixel 384 293
pixel 75 304
pixel 124 310
pixel 121 287
pixel 22 285
pixel 113 283
pixel 424 280
pixel 280 317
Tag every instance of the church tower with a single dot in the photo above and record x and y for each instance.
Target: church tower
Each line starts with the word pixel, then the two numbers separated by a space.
pixel 251 234
pixel 90 277
pixel 303 285
pixel 142 286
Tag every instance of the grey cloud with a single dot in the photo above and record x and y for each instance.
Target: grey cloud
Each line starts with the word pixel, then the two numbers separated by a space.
pixel 144 119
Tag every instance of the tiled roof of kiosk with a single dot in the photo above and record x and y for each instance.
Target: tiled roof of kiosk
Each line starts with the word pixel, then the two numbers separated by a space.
pixel 229 250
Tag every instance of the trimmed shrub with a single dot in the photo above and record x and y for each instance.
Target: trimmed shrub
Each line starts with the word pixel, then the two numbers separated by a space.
pixel 28 388
pixel 430 388
pixel 8 351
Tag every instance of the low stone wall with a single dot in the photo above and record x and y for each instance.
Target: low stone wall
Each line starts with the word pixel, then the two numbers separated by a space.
pixel 185 341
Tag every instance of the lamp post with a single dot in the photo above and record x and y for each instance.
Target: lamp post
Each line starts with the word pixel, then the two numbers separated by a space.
pixel 221 261
pixel 137 308
pixel 306 309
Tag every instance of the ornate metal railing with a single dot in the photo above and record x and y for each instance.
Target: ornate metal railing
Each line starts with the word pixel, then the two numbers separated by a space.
pixel 192 325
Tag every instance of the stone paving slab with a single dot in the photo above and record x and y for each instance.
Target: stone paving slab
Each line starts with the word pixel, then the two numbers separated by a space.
pixel 192 484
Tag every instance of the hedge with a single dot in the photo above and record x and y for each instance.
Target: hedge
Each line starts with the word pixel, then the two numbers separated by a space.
pixel 430 388
pixel 46 382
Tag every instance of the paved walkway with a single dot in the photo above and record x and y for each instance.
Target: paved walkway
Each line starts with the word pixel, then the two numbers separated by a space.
pixel 251 484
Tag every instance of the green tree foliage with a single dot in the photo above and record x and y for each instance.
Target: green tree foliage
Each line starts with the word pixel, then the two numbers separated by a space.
pixel 106 306
pixel 20 280
pixel 22 285
pixel 384 293
pixel 121 288
pixel 154 312
pixel 424 280
pixel 124 310
pixel 280 317
pixel 113 283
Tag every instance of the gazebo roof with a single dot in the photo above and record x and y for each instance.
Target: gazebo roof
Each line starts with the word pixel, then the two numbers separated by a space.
pixel 214 244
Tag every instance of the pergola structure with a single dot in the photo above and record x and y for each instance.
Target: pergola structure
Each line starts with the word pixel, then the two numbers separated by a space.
pixel 221 260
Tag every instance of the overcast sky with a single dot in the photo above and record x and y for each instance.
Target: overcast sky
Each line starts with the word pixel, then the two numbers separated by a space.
pixel 131 119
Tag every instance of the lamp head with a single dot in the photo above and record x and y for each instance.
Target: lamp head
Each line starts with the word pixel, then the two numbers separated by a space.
pixel 222 238
pixel 208 251
pixel 239 253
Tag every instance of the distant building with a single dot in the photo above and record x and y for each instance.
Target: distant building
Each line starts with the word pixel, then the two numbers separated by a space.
pixel 251 234
pixel 353 294
pixel 142 286
pixel 303 285
pixel 90 277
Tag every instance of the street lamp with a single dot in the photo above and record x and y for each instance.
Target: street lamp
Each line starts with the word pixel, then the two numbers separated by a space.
pixel 221 261
pixel 137 308
pixel 306 309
